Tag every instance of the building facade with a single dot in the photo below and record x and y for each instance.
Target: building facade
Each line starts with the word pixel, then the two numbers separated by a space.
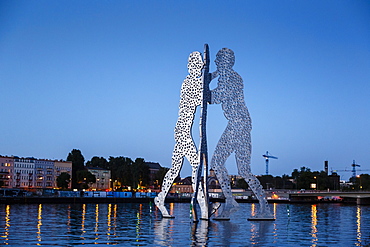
pixel 31 173
pixel 154 168
pixel 103 178
pixel 24 173
pixel 44 174
pixel 6 171
pixel 61 166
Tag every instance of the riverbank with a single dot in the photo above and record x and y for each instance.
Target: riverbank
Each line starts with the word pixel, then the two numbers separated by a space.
pixel 77 200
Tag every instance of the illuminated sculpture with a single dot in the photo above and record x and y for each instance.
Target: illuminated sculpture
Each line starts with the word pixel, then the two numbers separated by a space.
pixel 191 97
pixel 236 137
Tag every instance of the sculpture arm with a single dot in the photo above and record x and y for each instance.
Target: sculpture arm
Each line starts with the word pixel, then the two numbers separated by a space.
pixel 214 75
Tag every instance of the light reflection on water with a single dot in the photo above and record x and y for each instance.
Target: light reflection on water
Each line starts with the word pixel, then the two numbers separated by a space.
pixel 134 224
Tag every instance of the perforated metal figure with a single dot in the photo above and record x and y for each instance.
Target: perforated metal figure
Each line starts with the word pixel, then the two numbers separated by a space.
pixel 191 97
pixel 237 135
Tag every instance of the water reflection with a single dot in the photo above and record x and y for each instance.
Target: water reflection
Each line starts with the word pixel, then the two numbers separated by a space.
pixel 199 233
pixel 83 221
pixel 358 221
pixel 137 224
pixel 314 224
pixel 163 230
pixel 7 224
pixel 253 209
pixel 39 224
pixel 96 229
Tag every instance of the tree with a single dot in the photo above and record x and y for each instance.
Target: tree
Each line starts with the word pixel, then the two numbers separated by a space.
pixel 140 173
pixel 240 183
pixel 85 179
pixel 78 164
pixel 159 176
pixel 267 181
pixel 121 170
pixel 98 162
pixel 304 178
pixel 361 182
pixel 63 180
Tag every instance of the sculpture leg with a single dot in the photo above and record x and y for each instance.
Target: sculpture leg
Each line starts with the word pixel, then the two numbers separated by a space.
pixel 198 195
pixel 177 161
pixel 195 185
pixel 243 161
pixel 220 155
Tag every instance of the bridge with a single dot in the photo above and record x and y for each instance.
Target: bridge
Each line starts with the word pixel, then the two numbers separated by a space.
pixel 360 197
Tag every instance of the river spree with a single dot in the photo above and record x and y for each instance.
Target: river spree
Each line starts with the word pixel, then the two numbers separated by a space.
pixel 135 224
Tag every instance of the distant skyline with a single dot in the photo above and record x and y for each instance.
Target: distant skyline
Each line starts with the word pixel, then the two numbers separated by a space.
pixel 104 77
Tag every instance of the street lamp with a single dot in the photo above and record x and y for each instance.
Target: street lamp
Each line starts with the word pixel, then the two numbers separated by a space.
pixel 317 182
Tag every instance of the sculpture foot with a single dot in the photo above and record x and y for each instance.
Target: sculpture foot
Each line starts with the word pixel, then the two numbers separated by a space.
pixel 221 218
pixel 160 205
pixel 168 216
pixel 265 216
pixel 261 218
pixel 214 207
pixel 228 209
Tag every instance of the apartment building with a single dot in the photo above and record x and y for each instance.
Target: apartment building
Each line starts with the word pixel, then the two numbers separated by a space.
pixel 24 173
pixel 103 178
pixel 31 173
pixel 44 177
pixel 61 166
pixel 6 171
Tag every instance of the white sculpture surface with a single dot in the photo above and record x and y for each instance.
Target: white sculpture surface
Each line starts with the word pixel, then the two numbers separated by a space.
pixel 235 139
pixel 237 135
pixel 191 97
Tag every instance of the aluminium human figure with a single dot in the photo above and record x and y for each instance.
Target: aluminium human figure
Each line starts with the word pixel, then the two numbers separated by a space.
pixel 191 97
pixel 237 135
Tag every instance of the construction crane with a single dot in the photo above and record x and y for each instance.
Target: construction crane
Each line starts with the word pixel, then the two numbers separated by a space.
pixel 267 156
pixel 354 165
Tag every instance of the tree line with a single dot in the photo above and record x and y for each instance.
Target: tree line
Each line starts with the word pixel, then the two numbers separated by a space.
pixel 306 179
pixel 125 173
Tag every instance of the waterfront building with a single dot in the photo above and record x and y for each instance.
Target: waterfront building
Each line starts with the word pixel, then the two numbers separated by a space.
pixel 24 173
pixel 182 186
pixel 103 178
pixel 213 184
pixel 6 171
pixel 44 177
pixel 62 166
pixel 31 173
pixel 153 178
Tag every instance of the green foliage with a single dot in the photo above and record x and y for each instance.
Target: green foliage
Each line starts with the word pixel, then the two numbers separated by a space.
pixel 98 162
pixel 241 184
pixel 121 170
pixel 305 177
pixel 268 181
pixel 159 176
pixel 85 179
pixel 78 160
pixel 63 180
pixel 362 182
pixel 140 173
pixel 78 164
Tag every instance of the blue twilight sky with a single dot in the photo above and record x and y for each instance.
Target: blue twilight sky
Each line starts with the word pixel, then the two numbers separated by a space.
pixel 105 76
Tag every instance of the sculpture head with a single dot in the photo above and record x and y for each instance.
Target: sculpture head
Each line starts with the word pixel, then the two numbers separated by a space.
pixel 225 58
pixel 195 64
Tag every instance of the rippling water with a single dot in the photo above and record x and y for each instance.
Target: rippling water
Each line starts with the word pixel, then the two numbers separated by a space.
pixel 134 224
